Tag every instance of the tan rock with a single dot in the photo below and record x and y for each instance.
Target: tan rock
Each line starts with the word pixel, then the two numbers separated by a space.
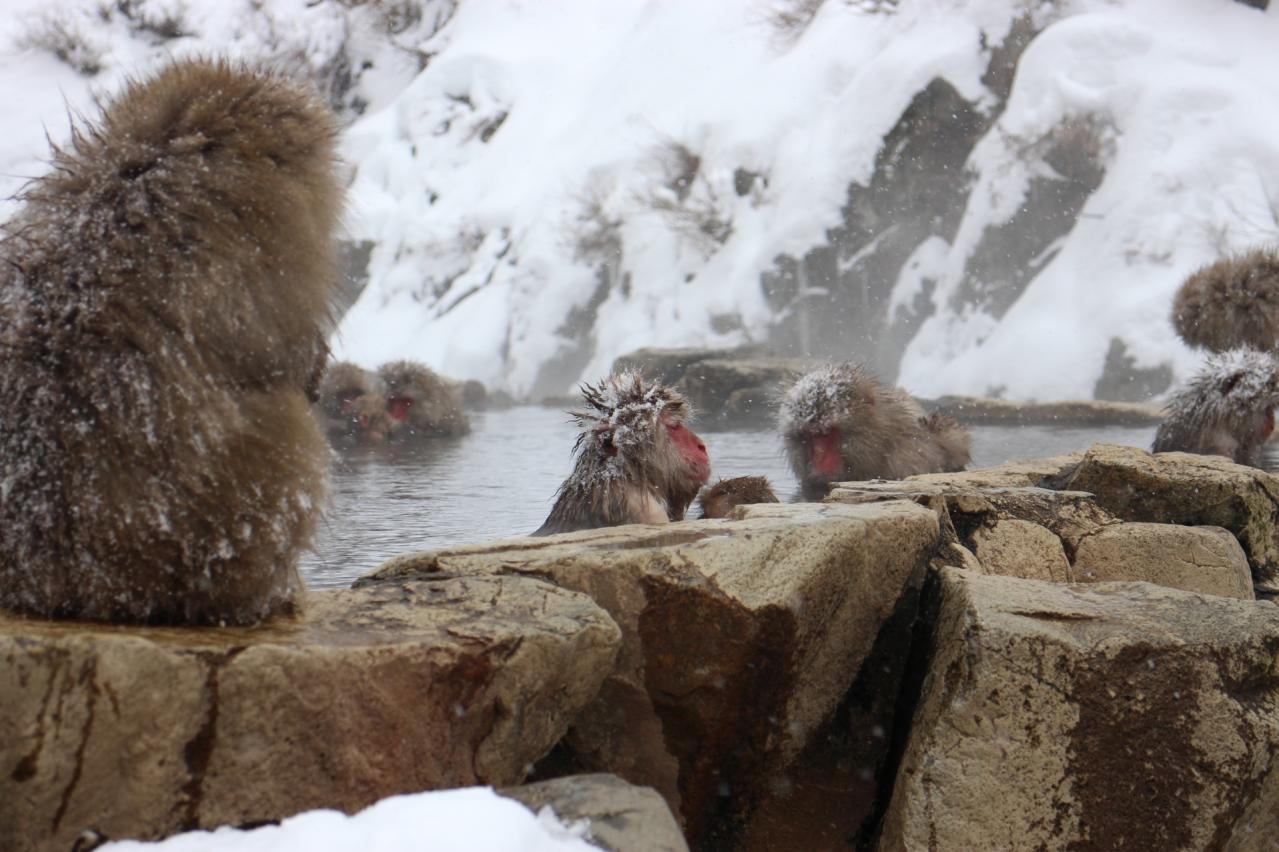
pixel 1189 489
pixel 396 688
pixel 1021 549
pixel 1117 715
pixel 1194 559
pixel 1076 412
pixel 740 636
pixel 621 816
pixel 1032 473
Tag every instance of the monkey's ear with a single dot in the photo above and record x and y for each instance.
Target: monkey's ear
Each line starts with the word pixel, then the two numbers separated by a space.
pixel 1228 382
pixel 606 440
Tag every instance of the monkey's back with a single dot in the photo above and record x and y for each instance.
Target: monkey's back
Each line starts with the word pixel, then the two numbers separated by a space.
pixel 1231 303
pixel 163 299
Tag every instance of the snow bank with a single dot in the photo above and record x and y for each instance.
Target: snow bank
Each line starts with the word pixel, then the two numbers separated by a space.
pixel 470 820
pixel 552 184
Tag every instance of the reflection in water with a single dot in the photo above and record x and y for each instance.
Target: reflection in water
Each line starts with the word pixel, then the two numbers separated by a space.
pixel 500 482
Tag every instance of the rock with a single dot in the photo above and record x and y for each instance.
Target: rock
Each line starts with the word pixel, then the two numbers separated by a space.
pixel 740 393
pixel 964 507
pixel 1188 489
pixel 406 686
pixel 741 636
pixel 1113 715
pixel 1034 473
pixel 1021 549
pixel 1194 559
pixel 971 410
pixel 669 365
pixel 622 817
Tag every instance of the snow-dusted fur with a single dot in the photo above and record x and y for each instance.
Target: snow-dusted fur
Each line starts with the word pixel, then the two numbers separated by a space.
pixel 722 497
pixel 436 403
pixel 1231 304
pixel 1225 410
pixel 884 434
pixel 164 298
pixel 627 468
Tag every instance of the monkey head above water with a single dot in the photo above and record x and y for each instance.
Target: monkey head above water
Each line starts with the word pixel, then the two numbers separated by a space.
pixel 342 384
pixel 839 423
pixel 1226 409
pixel 420 403
pixel 635 460
pixel 165 294
pixel 1231 304
pixel 727 494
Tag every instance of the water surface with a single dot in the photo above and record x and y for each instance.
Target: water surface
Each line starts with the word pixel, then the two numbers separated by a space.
pixel 500 480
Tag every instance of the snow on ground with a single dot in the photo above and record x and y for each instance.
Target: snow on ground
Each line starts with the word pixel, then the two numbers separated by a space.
pixel 529 195
pixel 475 819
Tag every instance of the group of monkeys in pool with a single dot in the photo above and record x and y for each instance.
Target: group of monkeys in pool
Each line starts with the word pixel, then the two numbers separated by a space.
pixel 166 292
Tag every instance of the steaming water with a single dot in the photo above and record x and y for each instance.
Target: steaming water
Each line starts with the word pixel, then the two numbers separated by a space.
pixel 500 482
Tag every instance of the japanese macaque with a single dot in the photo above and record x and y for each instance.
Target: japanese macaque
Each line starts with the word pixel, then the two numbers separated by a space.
pixel 164 298
pixel 421 404
pixel 725 495
pixel 1231 304
pixel 1227 409
pixel 636 462
pixel 839 423
pixel 342 384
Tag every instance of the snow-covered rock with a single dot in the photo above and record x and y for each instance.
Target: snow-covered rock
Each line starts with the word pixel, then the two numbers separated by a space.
pixel 976 196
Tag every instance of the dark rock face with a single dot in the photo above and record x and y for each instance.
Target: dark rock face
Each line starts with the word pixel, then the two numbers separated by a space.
pixel 1123 381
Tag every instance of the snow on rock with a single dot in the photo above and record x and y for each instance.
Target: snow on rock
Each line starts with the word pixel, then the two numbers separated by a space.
pixel 549 185
pixel 473 819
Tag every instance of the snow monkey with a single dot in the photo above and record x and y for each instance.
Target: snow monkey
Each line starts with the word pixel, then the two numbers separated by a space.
pixel 342 384
pixel 164 298
pixel 839 423
pixel 636 461
pixel 1226 409
pixel 421 404
pixel 722 497
pixel 1230 304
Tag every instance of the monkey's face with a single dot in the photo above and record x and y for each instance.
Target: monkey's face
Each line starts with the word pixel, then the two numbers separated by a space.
pixel 691 450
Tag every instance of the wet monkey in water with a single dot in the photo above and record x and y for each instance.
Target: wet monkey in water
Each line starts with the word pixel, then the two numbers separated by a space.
pixel 164 300
pixel 840 423
pixel 1226 409
pixel 635 460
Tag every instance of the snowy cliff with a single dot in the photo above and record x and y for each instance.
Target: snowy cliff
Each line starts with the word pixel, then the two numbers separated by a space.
pixel 973 196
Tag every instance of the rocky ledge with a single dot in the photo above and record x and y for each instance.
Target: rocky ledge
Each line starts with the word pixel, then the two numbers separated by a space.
pixel 139 733
pixel 1065 653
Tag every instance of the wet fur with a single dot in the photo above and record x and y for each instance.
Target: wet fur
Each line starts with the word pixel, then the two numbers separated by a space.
pixel 727 494
pixel 1223 409
pixel 437 403
pixel 340 387
pixel 884 434
pixel 626 470
pixel 1230 304
pixel 166 292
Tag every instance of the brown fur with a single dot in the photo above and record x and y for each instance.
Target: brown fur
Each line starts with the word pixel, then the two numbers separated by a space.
pixel 1226 409
pixel 628 467
pixel 727 494
pixel 884 434
pixel 1230 304
pixel 341 384
pixel 435 408
pixel 164 299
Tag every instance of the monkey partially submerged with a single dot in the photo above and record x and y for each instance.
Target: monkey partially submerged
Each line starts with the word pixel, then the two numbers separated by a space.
pixel 839 423
pixel 727 494
pixel 342 404
pixel 420 403
pixel 1226 409
pixel 636 461
pixel 164 299
pixel 1230 304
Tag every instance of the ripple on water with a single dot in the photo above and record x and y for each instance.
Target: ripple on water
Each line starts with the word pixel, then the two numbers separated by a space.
pixel 500 480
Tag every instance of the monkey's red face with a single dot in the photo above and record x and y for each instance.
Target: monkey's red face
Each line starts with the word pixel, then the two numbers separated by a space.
pixel 691 449
pixel 827 460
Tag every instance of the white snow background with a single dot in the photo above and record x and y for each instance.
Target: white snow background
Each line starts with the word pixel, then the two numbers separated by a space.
pixel 493 181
